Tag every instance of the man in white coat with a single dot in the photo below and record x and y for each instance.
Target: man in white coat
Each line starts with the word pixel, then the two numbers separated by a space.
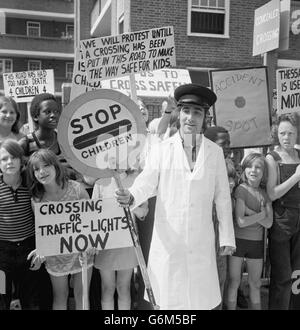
pixel 187 173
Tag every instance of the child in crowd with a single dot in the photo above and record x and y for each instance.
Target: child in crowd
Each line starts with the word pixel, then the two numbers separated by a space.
pixel 48 182
pixel 220 136
pixel 45 111
pixel 116 265
pixel 253 212
pixel 9 119
pixel 17 238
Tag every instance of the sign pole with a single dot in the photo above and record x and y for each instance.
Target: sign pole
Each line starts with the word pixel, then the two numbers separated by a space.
pixel 85 305
pixel 270 61
pixel 30 121
pixel 2 282
pixel 133 87
pixel 137 246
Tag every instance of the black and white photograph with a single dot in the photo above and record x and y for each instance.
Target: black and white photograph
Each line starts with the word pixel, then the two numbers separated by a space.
pixel 149 158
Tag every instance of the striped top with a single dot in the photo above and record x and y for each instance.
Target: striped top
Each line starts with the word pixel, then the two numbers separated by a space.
pixel 16 214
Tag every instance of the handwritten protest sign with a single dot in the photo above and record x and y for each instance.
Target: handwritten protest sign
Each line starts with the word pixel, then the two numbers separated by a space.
pixel 80 84
pixel 242 105
pixel 159 83
pixel 24 85
pixel 132 52
pixel 74 226
pixel 266 27
pixel 288 90
pixel 99 126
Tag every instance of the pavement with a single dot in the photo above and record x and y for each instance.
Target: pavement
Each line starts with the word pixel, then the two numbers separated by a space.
pixel 264 292
pixel 138 303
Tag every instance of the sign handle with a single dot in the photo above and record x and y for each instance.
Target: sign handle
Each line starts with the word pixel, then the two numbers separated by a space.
pixel 137 246
pixel 85 304
pixel 30 121
pixel 270 61
pixel 2 282
pixel 133 87
pixel 264 273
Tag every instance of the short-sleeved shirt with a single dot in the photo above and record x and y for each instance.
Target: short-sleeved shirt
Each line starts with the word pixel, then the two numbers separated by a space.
pixel 252 198
pixel 16 214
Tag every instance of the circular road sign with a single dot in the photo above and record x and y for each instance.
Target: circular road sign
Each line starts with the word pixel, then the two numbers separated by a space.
pixel 98 128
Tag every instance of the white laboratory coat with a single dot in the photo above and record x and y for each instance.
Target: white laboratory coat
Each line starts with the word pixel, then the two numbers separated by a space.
pixel 182 258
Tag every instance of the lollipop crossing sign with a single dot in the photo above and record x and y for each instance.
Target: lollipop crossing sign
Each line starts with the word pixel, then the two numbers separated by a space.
pixel 98 126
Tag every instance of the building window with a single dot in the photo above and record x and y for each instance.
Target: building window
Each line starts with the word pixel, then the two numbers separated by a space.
pixel 34 65
pixel 208 18
pixel 33 29
pixel 121 24
pixel 6 65
pixel 200 76
pixel 69 70
pixel 69 31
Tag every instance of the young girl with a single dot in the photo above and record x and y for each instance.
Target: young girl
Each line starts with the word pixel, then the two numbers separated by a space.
pixel 16 227
pixel 253 212
pixel 48 182
pixel 116 265
pixel 9 119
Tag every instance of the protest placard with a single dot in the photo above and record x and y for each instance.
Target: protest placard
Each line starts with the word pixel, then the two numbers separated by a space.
pixel 128 53
pixel 24 85
pixel 266 28
pixel 99 126
pixel 288 90
pixel 159 83
pixel 80 84
pixel 242 105
pixel 75 226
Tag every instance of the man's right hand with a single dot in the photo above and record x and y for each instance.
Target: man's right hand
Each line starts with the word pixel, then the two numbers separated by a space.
pixel 123 197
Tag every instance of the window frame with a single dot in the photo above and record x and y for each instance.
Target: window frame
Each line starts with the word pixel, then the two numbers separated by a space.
pixel 34 61
pixel 71 36
pixel 121 23
pixel 68 72
pixel 209 35
pixel 4 61
pixel 38 27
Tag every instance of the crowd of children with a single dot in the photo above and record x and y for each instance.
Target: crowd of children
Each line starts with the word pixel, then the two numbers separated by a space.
pixel 44 283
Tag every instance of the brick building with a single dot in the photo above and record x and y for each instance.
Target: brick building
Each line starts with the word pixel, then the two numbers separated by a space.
pixel 208 34
pixel 40 34
pixel 37 34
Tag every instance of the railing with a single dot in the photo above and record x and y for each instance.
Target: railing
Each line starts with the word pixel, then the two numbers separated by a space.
pixel 41 44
